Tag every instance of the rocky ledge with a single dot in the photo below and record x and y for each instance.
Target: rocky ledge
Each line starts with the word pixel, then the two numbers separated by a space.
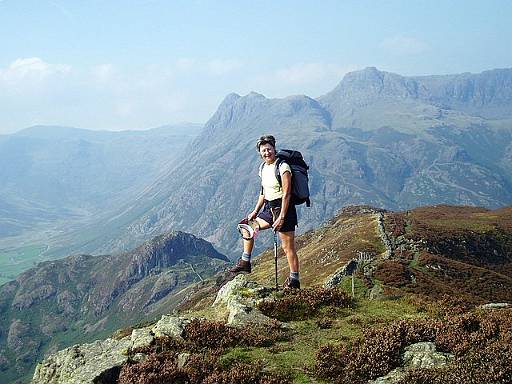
pixel 101 361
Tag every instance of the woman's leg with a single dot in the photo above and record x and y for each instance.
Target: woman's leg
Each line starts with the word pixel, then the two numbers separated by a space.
pixel 249 244
pixel 288 244
pixel 244 263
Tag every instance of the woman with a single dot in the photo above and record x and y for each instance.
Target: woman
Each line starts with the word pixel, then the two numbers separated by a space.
pixel 278 213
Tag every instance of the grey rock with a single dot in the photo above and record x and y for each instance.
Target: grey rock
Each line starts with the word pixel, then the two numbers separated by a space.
pixel 230 290
pixel 425 355
pixel 83 364
pixel 376 293
pixel 171 326
pixel 182 359
pixel 141 337
pixel 139 357
pixel 243 315
pixel 495 305
pixel 240 297
pixel 346 270
pixel 419 355
pixel 384 236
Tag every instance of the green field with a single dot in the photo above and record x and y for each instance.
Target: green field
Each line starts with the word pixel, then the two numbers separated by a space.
pixel 15 261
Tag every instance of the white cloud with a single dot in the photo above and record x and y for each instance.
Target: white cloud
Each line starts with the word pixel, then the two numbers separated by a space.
pixel 109 96
pixel 32 68
pixel 403 45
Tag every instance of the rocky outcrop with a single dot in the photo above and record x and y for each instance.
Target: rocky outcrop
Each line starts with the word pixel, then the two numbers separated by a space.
pixel 170 326
pixel 419 355
pixel 84 364
pixel 384 236
pixel 239 297
pixel 101 361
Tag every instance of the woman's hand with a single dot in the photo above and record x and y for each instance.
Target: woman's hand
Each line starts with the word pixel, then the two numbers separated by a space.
pixel 278 223
pixel 252 215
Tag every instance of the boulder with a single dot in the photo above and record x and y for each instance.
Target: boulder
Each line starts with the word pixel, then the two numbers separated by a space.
pixel 377 293
pixel 495 306
pixel 171 326
pixel 240 297
pixel 141 338
pixel 84 364
pixel 419 355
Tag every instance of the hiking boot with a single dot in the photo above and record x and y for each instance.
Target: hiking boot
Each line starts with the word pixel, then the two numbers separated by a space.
pixel 241 266
pixel 291 283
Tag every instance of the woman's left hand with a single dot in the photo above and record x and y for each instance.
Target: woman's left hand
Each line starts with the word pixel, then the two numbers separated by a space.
pixel 278 223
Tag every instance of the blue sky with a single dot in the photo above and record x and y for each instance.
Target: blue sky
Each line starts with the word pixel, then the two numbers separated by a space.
pixel 141 64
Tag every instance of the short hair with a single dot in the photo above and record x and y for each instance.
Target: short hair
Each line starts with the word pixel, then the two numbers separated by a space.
pixel 265 139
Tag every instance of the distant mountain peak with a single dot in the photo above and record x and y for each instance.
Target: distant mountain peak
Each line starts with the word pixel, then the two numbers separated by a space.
pixel 230 99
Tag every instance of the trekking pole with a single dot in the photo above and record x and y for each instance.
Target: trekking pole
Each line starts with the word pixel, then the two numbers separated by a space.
pixel 275 255
pixel 275 214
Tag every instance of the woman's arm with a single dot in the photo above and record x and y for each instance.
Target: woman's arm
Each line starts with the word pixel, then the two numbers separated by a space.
pixel 259 204
pixel 286 180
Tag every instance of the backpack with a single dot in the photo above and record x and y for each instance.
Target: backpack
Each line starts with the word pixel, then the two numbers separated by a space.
pixel 300 187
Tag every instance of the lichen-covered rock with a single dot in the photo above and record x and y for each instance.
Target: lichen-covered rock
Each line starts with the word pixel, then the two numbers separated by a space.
pixel 170 326
pixel 419 355
pixel 141 337
pixel 240 296
pixel 425 355
pixel 495 306
pixel 83 364
pixel 240 315
pixel 377 293
pixel 182 359
pixel 230 289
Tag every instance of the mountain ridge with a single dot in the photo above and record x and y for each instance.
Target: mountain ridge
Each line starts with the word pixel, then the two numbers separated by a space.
pixel 389 152
pixel 83 297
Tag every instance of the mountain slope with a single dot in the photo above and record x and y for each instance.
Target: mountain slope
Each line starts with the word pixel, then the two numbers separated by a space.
pixel 82 297
pixel 419 277
pixel 67 172
pixel 378 138
pixel 57 179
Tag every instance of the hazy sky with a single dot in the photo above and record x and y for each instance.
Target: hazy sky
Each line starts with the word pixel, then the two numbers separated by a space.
pixel 141 64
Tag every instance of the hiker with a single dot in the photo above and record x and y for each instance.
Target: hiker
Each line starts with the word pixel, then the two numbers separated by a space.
pixel 278 212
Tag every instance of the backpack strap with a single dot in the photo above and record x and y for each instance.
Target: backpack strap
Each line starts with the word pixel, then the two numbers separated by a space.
pixel 278 173
pixel 259 174
pixel 260 170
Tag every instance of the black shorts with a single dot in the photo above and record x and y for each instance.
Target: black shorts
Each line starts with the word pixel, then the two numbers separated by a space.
pixel 290 220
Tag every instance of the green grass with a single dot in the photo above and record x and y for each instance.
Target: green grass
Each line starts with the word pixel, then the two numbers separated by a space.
pixel 15 261
pixel 360 290
pixel 298 354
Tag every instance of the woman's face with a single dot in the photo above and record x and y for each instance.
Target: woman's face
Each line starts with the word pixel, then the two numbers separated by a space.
pixel 268 153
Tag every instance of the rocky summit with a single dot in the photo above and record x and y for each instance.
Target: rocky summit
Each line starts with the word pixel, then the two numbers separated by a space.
pixel 83 297
pixel 414 296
